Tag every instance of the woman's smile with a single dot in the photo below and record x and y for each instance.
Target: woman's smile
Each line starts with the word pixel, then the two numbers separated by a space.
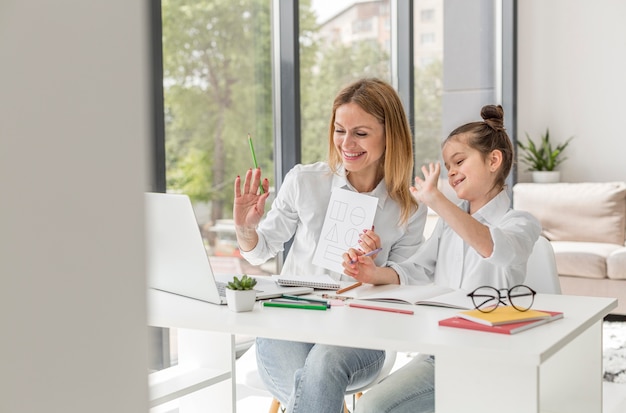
pixel 351 156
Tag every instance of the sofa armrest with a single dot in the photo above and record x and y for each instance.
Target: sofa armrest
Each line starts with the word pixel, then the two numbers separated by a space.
pixel 616 264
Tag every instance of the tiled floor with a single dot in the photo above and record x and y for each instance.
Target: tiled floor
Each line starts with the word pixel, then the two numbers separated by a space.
pixel 614 398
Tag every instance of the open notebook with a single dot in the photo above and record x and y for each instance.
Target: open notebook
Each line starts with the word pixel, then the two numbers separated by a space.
pixel 427 294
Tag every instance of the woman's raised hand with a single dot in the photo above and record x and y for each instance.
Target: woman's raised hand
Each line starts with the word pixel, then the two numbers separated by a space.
pixel 249 205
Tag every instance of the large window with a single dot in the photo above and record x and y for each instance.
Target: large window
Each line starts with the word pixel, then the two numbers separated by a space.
pixel 335 54
pixel 428 75
pixel 217 90
pixel 339 42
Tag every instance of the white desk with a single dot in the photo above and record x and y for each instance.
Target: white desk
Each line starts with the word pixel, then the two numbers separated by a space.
pixel 552 368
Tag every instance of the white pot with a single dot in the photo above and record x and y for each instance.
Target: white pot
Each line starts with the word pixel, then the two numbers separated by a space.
pixel 546 177
pixel 240 300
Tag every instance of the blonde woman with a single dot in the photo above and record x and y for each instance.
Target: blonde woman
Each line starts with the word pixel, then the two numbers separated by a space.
pixel 370 152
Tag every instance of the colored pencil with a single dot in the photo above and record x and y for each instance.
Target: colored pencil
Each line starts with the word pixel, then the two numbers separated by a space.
pixel 256 165
pixel 371 307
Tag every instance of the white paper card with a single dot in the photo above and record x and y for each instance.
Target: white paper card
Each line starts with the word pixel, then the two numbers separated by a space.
pixel 348 214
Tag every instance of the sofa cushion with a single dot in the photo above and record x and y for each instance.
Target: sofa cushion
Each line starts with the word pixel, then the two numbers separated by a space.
pixel 586 211
pixel 582 259
pixel 616 264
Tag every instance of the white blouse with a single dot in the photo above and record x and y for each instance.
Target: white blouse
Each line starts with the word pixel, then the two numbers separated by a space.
pixel 299 211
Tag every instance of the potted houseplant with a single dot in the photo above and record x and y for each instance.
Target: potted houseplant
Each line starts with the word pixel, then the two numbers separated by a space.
pixel 240 293
pixel 543 159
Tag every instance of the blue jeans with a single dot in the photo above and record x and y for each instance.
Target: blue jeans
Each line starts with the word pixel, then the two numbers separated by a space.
pixel 410 389
pixel 308 377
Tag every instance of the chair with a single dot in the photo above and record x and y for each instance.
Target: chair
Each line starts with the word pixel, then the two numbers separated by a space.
pixel 541 273
pixel 253 380
pixel 357 392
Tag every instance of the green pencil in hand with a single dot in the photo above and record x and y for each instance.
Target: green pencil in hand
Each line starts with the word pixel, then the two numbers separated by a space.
pixel 256 166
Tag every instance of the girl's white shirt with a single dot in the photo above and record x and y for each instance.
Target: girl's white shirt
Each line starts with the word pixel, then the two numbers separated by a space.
pixel 447 260
pixel 299 211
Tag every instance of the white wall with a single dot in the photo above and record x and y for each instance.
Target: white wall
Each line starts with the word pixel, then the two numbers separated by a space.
pixel 572 79
pixel 73 139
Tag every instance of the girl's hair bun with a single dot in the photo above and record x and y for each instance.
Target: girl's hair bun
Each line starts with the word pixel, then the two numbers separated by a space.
pixel 493 116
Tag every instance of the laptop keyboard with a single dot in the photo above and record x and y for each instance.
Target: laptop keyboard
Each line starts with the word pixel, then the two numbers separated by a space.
pixel 221 288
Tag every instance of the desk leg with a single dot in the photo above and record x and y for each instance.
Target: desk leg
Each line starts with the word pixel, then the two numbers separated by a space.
pixel 212 350
pixel 477 384
pixel 571 380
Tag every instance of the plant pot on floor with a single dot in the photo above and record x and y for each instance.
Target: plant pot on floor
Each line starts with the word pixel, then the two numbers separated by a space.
pixel 240 300
pixel 546 177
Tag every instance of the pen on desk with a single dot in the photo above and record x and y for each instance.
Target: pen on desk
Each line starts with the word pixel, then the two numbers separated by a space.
pixel 298 302
pixel 256 166
pixel 371 307
pixel 310 300
pixel 367 254
pixel 295 305
pixel 336 297
pixel 348 288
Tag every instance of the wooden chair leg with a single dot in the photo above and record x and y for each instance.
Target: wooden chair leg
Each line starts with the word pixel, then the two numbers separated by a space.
pixel 274 406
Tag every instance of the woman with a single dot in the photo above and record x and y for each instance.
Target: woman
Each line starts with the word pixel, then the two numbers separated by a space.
pixel 370 152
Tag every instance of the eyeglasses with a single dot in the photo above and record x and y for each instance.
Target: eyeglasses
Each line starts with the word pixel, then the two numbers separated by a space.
pixel 486 299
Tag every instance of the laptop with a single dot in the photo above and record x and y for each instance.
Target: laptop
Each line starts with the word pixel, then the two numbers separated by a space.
pixel 177 260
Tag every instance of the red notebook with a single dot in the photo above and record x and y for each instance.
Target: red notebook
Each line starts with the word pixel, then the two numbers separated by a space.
pixel 510 328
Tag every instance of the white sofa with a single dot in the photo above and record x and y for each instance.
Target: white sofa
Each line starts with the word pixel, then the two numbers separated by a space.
pixel 586 224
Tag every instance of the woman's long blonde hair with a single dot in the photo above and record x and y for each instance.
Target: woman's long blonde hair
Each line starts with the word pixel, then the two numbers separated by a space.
pixel 380 100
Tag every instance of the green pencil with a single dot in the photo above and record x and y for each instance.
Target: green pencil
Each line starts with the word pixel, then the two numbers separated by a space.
pixel 294 305
pixel 256 166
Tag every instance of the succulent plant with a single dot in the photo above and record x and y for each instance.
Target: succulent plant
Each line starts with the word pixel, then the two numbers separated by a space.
pixel 245 283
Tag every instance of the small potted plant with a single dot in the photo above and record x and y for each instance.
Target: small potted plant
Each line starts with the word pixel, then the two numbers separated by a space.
pixel 240 293
pixel 543 159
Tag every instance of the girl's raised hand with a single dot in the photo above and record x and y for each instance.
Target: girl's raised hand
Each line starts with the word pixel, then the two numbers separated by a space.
pixel 249 205
pixel 425 189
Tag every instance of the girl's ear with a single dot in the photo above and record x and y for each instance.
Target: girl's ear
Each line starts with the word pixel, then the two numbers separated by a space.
pixel 495 160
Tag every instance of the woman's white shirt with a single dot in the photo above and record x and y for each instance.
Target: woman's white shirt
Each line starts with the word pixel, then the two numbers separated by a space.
pixel 299 211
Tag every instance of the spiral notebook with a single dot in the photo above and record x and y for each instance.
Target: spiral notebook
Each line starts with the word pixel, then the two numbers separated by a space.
pixel 319 282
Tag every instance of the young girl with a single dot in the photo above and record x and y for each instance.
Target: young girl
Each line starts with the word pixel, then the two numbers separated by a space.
pixel 481 242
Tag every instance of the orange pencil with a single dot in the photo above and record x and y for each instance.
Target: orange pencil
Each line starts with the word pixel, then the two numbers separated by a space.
pixel 348 288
